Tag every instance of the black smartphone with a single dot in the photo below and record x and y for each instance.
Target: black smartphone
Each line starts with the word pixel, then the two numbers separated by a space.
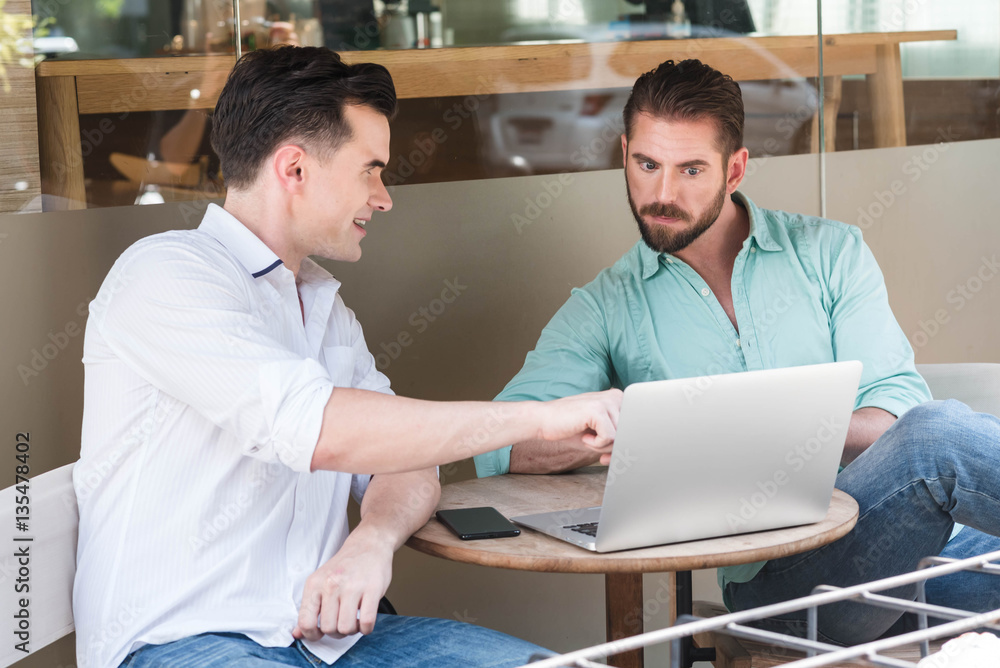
pixel 476 523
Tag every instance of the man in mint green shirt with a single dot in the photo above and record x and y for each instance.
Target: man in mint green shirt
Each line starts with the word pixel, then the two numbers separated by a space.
pixel 720 285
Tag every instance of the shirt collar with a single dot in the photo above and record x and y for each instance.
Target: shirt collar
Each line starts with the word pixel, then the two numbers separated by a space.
pixel 759 223
pixel 252 253
pixel 649 260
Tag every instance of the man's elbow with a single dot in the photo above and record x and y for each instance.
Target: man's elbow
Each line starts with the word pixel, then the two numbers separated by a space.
pixel 333 455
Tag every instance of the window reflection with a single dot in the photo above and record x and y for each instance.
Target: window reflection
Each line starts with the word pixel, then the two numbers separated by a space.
pixel 560 117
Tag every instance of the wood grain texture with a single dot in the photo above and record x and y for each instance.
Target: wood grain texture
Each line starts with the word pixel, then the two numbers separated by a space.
pixel 124 93
pixel 833 88
pixel 890 37
pixel 20 181
pixel 59 148
pixel 531 551
pixel 148 84
pixel 885 87
pixel 502 69
pixel 137 66
pixel 623 602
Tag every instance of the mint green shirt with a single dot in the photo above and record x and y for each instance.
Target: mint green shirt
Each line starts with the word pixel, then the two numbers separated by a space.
pixel 805 291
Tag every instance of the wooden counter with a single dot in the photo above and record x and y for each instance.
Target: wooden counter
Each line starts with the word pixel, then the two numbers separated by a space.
pixel 69 88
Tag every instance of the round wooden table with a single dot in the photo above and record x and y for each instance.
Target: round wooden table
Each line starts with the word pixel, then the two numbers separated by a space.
pixel 515 495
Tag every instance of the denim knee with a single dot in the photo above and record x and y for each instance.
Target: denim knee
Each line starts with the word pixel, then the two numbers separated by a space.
pixel 934 429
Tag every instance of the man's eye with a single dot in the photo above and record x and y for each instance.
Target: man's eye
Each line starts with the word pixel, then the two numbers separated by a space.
pixel 648 166
pixel 692 171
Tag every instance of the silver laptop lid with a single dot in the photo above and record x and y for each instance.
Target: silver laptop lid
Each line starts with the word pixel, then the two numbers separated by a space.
pixel 720 455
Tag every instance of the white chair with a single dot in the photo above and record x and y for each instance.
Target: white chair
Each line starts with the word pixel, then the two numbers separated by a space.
pixel 54 520
pixel 52 561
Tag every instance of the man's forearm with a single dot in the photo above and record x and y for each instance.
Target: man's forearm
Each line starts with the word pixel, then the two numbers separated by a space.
pixel 397 504
pixel 867 426
pixel 369 432
pixel 544 457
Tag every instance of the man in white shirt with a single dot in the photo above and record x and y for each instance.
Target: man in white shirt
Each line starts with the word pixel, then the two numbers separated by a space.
pixel 231 406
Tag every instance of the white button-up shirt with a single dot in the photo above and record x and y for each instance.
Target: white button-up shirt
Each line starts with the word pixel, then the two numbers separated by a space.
pixel 203 402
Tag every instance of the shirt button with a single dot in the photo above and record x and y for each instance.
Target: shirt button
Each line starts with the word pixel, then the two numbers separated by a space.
pixel 753 249
pixel 738 344
pixel 705 292
pixel 670 260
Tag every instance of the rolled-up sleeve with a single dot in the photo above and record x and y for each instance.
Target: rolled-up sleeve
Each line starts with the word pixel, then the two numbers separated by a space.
pixel 863 328
pixel 571 357
pixel 179 319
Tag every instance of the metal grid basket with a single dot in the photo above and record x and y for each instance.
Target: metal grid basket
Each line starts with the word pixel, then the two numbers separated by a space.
pixel 820 653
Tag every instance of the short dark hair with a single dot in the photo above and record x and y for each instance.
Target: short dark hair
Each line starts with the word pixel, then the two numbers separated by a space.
pixel 690 90
pixel 291 93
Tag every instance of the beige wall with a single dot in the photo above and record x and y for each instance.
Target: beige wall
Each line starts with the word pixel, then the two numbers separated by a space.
pixel 930 240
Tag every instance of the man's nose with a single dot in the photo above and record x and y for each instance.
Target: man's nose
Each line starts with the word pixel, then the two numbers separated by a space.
pixel 379 199
pixel 666 188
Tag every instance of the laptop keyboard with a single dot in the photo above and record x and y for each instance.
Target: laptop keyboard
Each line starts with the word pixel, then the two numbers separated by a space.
pixel 588 528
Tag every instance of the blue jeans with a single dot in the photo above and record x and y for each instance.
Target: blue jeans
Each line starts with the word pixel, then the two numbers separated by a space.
pixel 937 465
pixel 415 642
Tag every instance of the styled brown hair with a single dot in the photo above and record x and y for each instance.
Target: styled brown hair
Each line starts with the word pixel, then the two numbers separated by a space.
pixel 690 90
pixel 291 93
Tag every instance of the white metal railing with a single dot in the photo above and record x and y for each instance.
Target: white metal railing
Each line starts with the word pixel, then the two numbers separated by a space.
pixel 820 653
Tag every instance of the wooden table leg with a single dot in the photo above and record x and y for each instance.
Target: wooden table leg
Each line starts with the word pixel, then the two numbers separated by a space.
pixel 61 157
pixel 885 87
pixel 832 96
pixel 623 599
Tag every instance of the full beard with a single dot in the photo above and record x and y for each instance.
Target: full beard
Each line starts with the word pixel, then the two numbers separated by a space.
pixel 664 240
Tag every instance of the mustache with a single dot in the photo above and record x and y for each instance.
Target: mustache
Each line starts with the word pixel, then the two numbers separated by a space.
pixel 664 211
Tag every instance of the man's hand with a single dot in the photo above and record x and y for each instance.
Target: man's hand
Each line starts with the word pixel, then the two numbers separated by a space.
pixel 591 417
pixel 342 597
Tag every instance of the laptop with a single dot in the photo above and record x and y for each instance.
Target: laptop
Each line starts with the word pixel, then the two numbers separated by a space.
pixel 717 456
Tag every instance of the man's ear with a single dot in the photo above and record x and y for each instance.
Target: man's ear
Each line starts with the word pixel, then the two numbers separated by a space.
pixel 736 169
pixel 288 167
pixel 624 151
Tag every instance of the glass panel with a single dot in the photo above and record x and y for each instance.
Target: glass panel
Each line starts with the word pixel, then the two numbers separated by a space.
pixel 926 198
pixel 554 105
pixel 132 28
pixel 949 61
pixel 124 95
pixel 549 100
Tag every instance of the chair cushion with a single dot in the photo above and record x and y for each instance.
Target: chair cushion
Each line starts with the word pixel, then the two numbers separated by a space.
pixel 977 385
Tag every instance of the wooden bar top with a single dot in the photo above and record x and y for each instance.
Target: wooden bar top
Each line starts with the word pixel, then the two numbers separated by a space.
pixel 516 495
pixel 469 54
